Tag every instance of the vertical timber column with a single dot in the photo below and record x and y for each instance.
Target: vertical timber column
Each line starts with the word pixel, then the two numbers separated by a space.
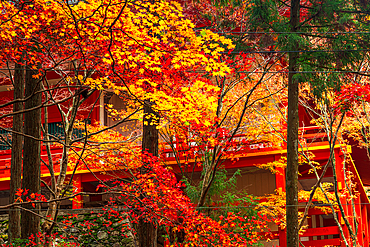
pixel 340 178
pixel 358 219
pixel 30 222
pixel 101 109
pixel 280 187
pixel 314 225
pixel 367 223
pixel 77 202
pixel 280 179
pixel 364 222
pixel 310 221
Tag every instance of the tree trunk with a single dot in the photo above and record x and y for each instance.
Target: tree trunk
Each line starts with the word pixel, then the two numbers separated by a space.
pixel 16 165
pixel 47 226
pixel 31 152
pixel 146 230
pixel 150 131
pixel 292 138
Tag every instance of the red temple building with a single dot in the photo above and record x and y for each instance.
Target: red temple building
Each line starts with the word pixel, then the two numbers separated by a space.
pixel 322 229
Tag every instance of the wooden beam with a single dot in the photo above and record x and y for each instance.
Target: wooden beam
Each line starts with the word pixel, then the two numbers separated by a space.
pixel 320 231
pixel 323 242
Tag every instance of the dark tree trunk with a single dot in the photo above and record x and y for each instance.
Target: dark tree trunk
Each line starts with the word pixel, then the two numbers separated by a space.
pixel 150 131
pixel 16 165
pixel 31 152
pixel 292 138
pixel 147 230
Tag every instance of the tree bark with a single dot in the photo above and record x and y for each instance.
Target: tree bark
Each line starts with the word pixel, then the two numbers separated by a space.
pixel 147 230
pixel 292 138
pixel 16 160
pixel 150 131
pixel 31 152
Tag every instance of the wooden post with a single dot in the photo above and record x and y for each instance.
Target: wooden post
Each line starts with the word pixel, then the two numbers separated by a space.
pixel 367 222
pixel 280 179
pixel 310 225
pixel 280 186
pixel 365 227
pixel 343 200
pixel 314 225
pixel 78 200
pixel 358 219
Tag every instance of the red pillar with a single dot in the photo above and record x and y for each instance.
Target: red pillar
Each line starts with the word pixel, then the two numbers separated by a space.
pixel 365 227
pixel 280 187
pixel 77 184
pixel 367 223
pixel 310 225
pixel 343 200
pixel 280 179
pixel 358 219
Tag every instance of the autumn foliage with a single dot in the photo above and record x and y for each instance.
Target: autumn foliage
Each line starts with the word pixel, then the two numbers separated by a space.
pixel 140 51
pixel 211 104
